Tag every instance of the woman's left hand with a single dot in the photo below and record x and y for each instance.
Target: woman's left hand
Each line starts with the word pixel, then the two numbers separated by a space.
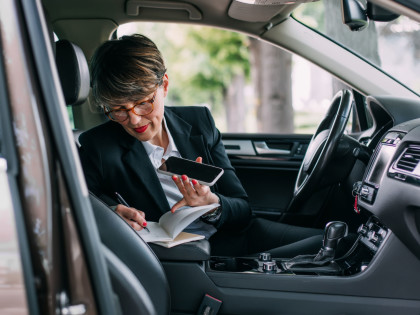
pixel 194 193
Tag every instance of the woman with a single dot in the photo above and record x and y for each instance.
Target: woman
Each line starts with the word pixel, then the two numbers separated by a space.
pixel 130 82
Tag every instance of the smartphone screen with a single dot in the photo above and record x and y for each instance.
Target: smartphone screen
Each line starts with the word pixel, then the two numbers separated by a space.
pixel 205 174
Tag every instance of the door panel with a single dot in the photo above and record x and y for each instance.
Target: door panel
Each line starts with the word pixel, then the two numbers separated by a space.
pixel 267 166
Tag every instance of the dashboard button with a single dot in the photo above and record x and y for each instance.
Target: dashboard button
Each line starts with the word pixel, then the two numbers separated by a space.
pixel 363 229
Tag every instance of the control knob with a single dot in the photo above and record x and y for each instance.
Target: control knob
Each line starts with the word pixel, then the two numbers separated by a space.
pixel 269 267
pixel 264 257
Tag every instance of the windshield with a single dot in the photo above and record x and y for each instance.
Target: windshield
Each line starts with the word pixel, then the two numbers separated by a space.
pixel 392 46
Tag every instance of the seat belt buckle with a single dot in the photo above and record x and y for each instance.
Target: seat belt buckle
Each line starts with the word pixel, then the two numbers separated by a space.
pixel 209 305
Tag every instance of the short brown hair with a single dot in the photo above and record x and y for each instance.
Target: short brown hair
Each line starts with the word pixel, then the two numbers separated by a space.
pixel 126 70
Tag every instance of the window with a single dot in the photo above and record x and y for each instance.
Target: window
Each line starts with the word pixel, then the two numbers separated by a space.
pixel 249 86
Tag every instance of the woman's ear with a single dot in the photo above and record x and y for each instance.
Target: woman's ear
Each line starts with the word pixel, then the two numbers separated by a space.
pixel 165 84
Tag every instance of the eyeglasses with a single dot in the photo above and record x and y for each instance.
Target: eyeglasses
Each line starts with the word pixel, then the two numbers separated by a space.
pixel 141 109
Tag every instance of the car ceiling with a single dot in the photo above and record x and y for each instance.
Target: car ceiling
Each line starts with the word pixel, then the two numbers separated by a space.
pixel 88 23
pixel 221 13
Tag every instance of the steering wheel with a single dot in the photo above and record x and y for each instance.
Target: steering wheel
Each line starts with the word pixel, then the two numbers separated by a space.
pixel 322 149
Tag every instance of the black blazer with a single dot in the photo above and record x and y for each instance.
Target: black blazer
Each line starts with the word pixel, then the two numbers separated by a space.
pixel 113 160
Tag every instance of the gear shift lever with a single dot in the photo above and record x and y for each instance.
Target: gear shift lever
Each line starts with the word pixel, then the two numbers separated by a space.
pixel 334 232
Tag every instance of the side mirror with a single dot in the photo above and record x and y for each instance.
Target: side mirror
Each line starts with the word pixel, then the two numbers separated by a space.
pixel 354 15
pixel 377 13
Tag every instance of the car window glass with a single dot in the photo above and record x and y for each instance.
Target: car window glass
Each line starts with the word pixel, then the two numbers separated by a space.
pixel 249 86
pixel 392 46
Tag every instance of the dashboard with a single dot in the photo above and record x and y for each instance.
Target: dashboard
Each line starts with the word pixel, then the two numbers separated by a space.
pixel 390 189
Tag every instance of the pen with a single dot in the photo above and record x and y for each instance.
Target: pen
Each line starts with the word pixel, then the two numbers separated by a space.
pixel 123 202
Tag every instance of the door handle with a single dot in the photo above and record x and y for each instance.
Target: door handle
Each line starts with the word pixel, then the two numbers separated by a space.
pixel 262 148
pixel 239 147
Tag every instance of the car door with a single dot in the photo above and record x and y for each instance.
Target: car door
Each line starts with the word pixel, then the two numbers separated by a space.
pixel 55 265
pixel 267 165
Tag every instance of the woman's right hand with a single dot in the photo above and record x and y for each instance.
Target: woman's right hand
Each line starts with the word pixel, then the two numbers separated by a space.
pixel 132 216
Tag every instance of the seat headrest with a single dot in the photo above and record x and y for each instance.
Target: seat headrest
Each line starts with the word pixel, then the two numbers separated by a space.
pixel 73 71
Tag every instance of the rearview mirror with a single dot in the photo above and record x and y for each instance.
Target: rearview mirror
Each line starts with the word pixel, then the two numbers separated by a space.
pixel 354 15
pixel 377 13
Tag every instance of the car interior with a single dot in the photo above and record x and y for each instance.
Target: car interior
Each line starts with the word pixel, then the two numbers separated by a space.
pixel 357 180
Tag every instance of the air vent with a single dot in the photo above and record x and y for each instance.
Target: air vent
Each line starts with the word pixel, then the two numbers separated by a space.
pixel 409 159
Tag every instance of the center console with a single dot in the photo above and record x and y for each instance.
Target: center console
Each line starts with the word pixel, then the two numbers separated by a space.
pixel 365 245
pixel 361 261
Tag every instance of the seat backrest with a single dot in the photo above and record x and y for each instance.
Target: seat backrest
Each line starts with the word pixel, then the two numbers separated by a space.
pixel 123 246
pixel 73 71
pixel 132 296
pixel 130 248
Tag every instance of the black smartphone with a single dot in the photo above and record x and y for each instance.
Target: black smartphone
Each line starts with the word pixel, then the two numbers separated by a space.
pixel 205 174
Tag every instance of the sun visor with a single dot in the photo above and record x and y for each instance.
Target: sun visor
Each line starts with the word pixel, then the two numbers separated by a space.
pixel 261 10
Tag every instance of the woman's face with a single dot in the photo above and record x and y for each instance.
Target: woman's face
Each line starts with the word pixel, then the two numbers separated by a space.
pixel 148 127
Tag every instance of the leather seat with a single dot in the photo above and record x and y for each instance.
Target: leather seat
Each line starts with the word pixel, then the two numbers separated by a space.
pixel 130 248
pixel 73 71
pixel 137 276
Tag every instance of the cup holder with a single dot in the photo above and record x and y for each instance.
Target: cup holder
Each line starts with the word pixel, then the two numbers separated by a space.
pixel 263 264
pixel 233 264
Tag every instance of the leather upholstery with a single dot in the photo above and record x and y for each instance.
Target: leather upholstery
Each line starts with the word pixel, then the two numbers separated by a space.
pixel 132 296
pixel 130 248
pixel 193 251
pixel 73 71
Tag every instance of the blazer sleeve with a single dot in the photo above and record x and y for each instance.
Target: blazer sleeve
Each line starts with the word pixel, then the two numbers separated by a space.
pixel 236 211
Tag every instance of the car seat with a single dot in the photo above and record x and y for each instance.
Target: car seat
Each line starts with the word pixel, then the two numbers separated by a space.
pixel 125 251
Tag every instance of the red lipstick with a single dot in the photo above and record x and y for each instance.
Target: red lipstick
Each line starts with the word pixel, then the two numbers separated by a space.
pixel 141 129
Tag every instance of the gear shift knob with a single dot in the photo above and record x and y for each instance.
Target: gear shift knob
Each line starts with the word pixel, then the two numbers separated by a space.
pixel 334 231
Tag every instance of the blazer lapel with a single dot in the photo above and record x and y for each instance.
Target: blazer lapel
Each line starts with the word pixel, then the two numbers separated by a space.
pixel 189 146
pixel 138 163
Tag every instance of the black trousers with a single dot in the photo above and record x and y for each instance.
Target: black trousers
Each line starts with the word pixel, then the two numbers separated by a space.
pixel 261 235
